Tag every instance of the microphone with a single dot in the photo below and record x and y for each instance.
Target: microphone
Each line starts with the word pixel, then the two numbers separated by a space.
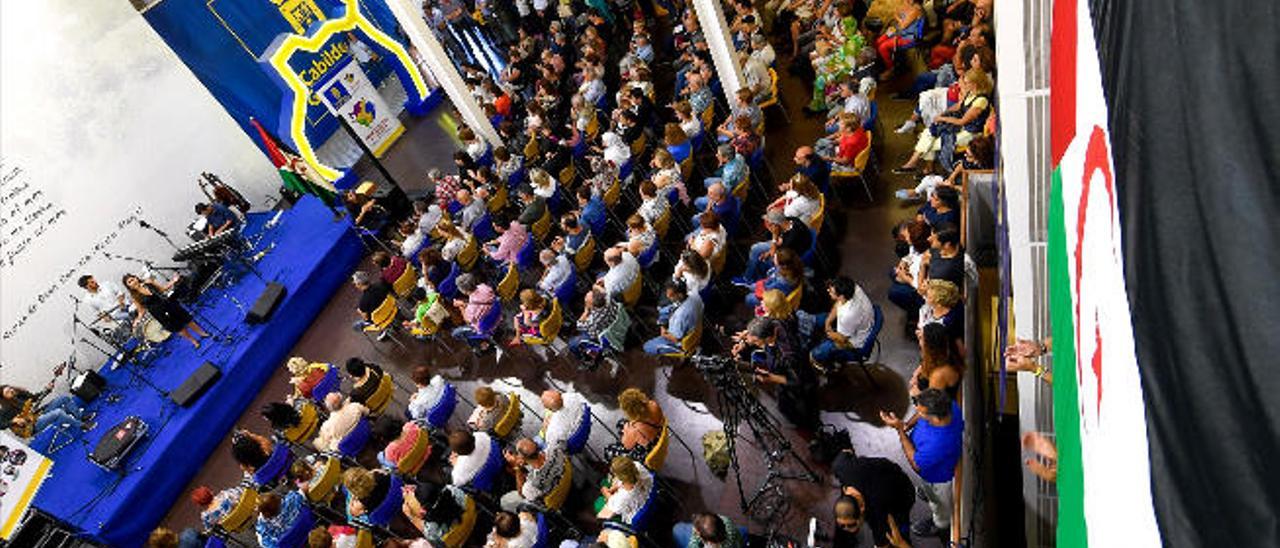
pixel 275 220
pixel 143 224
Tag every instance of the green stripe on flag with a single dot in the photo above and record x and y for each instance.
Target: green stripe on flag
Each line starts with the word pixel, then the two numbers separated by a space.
pixel 1066 404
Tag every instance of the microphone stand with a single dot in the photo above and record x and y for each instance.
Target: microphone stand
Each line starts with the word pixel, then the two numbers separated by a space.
pixel 162 233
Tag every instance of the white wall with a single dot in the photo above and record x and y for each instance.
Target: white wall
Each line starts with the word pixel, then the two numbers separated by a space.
pixel 105 123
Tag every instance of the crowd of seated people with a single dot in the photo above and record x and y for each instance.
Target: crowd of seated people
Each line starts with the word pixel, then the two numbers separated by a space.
pixel 618 212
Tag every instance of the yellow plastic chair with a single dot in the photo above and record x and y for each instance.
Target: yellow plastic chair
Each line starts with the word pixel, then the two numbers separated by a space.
pixel 381 397
pixel 542 226
pixel 549 329
pixel 412 462
pixel 662 223
pixel 613 193
pixel 469 254
pixel 383 320
pixel 242 514
pixel 568 174
pixel 793 299
pixel 531 149
pixel 686 167
pixel 453 538
pixel 688 344
pixel 658 453
pixel 632 295
pixel 593 128
pixel 510 418
pixel 498 201
pixel 708 116
pixel 560 493
pixel 306 428
pixel 859 168
pixel 638 146
pixel 404 285
pixel 718 260
pixel 773 99
pixel 585 254
pixel 326 481
pixel 815 222
pixel 509 284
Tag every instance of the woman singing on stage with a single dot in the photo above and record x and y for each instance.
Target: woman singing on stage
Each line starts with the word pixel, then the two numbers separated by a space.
pixel 150 298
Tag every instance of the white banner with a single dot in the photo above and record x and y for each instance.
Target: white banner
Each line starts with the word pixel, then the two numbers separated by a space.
pixel 351 95
pixel 21 473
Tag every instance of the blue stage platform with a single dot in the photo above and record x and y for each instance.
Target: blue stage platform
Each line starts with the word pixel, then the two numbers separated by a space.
pixel 313 256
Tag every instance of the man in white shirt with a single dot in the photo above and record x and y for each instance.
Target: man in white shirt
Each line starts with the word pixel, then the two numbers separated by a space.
pixel 557 269
pixel 848 324
pixel 565 414
pixel 469 453
pixel 106 301
pixel 430 389
pixel 623 270
pixel 473 208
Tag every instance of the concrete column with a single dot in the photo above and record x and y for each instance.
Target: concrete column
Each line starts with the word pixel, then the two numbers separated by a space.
pixel 409 15
pixel 720 42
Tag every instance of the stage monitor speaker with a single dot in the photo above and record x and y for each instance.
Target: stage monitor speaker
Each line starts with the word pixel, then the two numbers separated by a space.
pixel 88 385
pixel 266 303
pixel 195 385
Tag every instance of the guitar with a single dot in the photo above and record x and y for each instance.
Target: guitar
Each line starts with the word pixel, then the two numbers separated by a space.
pixel 24 423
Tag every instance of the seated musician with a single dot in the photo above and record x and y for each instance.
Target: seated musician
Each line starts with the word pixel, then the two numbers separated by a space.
pixel 106 301
pixel 63 411
pixel 220 218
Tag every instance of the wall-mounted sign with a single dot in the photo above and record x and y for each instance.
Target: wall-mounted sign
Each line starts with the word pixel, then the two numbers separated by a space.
pixel 302 62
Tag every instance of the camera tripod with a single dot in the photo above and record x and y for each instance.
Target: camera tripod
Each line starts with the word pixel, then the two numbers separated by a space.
pixel 768 503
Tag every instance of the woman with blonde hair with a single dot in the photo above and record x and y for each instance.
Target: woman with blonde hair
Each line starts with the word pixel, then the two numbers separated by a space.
pixel 526 323
pixel 963 120
pixel 943 304
pixel 629 489
pixel 641 427
pixel 667 173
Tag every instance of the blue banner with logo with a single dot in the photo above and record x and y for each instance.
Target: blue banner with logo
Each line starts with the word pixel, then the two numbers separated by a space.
pixel 224 42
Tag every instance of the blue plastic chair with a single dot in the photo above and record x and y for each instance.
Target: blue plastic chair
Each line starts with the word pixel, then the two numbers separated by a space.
pixel 390 506
pixel 486 159
pixel 641 519
pixel 568 288
pixel 863 353
pixel 329 383
pixel 215 542
pixel 483 229
pixel 526 256
pixel 544 532
pixel 488 324
pixel 649 256
pixel 577 442
pixel 355 440
pixel 276 464
pixel 438 416
pixel 624 171
pixel 296 536
pixel 516 178
pixel 492 468
pixel 448 287
pixel 812 252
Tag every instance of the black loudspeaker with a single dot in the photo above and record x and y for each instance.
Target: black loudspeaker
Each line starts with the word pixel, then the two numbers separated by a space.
pixel 87 385
pixel 195 385
pixel 266 303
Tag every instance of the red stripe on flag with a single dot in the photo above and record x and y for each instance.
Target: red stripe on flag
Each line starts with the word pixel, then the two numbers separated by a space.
pixel 1062 77
pixel 273 151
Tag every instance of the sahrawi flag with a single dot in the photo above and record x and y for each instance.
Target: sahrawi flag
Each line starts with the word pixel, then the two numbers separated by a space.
pixel 294 172
pixel 1104 474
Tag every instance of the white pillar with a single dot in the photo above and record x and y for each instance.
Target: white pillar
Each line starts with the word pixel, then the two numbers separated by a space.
pixel 410 17
pixel 720 42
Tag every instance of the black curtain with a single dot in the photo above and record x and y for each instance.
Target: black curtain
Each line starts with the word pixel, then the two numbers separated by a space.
pixel 1194 98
